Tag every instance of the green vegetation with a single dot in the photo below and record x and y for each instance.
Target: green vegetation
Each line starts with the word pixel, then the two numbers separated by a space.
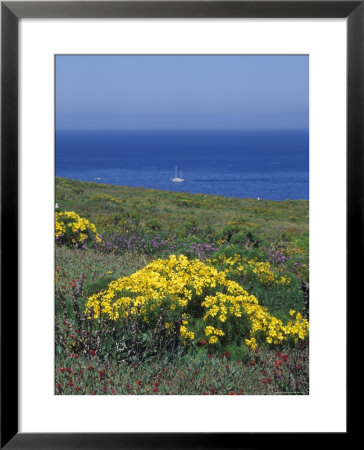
pixel 262 246
pixel 115 209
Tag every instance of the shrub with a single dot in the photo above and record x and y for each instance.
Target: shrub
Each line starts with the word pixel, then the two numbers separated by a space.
pixel 178 290
pixel 75 231
pixel 154 225
pixel 187 228
pixel 275 289
pixel 227 232
pixel 229 251
pixel 246 239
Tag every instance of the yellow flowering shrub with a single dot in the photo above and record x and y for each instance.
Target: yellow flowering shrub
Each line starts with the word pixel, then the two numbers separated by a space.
pixel 73 230
pixel 238 265
pixel 191 289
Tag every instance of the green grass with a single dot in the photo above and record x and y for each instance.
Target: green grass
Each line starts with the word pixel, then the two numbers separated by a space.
pixel 114 208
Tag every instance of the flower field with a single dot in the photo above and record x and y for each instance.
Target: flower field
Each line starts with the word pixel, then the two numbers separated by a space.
pixel 167 293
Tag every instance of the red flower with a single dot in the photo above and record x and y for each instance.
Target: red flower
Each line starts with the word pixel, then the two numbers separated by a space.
pixel 78 388
pixel 93 393
pixel 156 383
pixel 139 382
pixel 102 373
pixel 92 352
pixel 278 371
pixel 128 386
pixel 62 369
pixel 227 367
pixel 227 355
pixel 59 385
pixel 231 393
pixel 284 357
pixel 212 391
pixel 269 380
pixel 105 388
pixel 113 391
pixel 252 363
pixel 70 383
pixel 155 389
pixel 203 342
pixel 209 355
pixel 90 367
pixel 241 391
pixel 69 370
pixel 278 363
pixel 299 367
pixel 264 371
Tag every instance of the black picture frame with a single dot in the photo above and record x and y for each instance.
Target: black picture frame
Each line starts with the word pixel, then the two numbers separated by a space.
pixel 11 12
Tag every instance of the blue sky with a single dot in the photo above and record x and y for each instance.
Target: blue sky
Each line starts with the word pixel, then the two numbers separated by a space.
pixel 181 92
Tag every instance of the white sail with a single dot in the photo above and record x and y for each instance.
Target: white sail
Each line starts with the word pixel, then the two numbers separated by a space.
pixel 177 179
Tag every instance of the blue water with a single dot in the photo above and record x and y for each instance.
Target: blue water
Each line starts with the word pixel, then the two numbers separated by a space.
pixel 272 165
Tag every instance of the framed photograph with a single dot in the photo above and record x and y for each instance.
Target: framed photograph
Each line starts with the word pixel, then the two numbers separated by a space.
pixel 181 199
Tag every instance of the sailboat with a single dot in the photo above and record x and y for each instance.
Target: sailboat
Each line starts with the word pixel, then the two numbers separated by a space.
pixel 177 179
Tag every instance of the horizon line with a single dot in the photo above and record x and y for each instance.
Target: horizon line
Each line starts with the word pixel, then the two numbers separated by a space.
pixel 182 129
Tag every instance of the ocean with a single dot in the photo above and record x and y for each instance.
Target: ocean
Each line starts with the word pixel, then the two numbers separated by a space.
pixel 271 165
